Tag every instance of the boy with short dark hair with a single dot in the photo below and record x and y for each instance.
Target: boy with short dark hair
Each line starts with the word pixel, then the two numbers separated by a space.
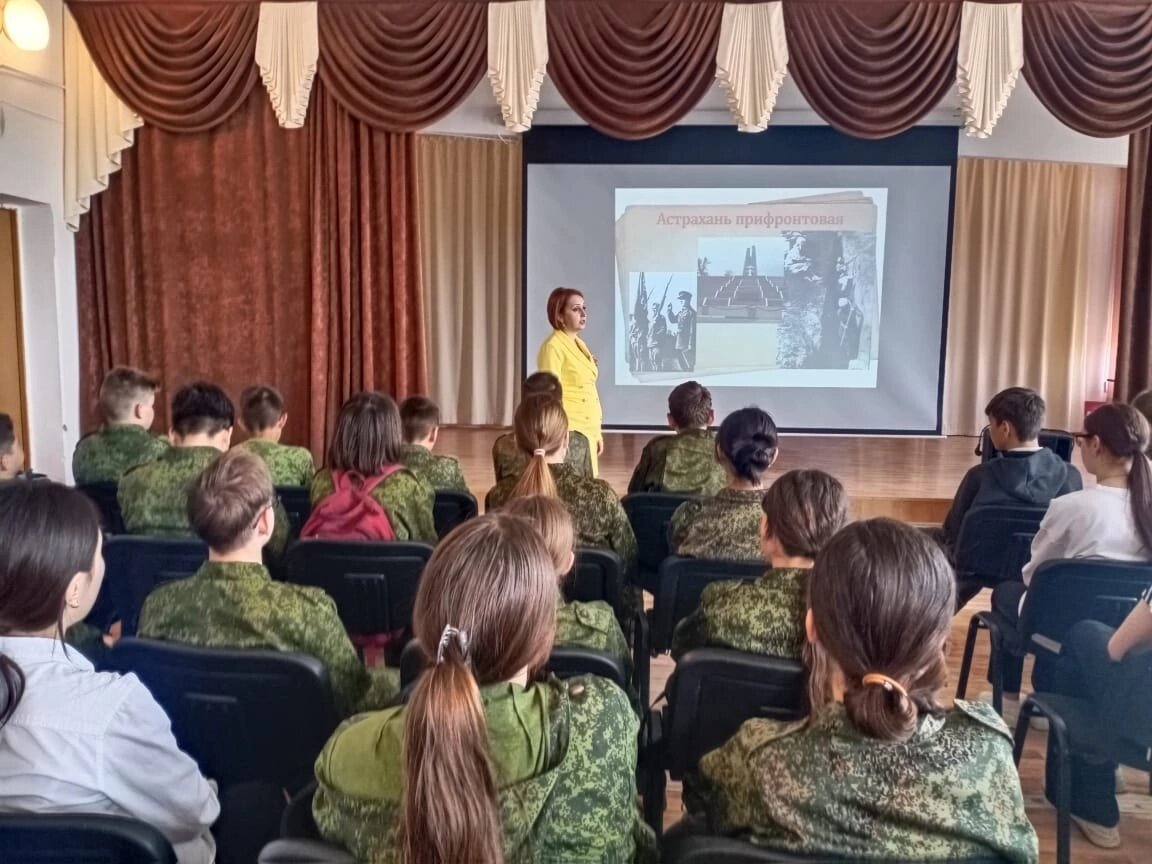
pixel 11 453
pixel 508 460
pixel 420 419
pixel 262 410
pixel 1024 473
pixel 684 462
pixel 127 403
pixel 232 602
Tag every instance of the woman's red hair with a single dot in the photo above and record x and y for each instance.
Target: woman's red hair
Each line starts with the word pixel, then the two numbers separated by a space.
pixel 556 302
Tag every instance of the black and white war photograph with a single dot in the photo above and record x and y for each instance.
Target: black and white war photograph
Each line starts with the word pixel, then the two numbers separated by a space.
pixel 662 318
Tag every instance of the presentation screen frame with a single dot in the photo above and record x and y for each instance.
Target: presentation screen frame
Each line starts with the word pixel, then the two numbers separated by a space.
pixel 724 145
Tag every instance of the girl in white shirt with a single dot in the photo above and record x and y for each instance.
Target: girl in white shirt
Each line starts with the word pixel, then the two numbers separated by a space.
pixel 73 740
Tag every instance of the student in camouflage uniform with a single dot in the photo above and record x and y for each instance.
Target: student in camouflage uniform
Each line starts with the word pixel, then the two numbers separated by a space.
pixel 367 440
pixel 420 420
pixel 684 462
pixel 881 769
pixel 508 460
pixel 480 765
pixel 128 403
pixel 801 512
pixel 726 526
pixel 262 410
pixel 232 602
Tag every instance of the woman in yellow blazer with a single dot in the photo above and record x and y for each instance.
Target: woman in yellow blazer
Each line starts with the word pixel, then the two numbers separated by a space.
pixel 565 355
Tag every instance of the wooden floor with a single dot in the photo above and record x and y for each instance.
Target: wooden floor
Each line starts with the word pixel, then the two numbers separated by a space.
pixel 911 479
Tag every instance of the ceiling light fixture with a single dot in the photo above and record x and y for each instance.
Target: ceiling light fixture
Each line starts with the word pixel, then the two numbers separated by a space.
pixel 25 23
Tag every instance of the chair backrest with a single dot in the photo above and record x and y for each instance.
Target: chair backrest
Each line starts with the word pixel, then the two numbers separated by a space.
pixel 135 566
pixel 452 508
pixel 1057 440
pixel 374 584
pixel 682 581
pixel 650 514
pixel 1065 591
pixel 597 574
pixel 704 849
pixel 80 838
pixel 304 852
pixel 714 690
pixel 564 662
pixel 103 495
pixel 986 539
pixel 297 503
pixel 242 714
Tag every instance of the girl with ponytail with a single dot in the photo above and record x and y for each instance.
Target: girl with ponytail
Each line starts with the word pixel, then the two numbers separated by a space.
pixel 481 765
pixel 881 766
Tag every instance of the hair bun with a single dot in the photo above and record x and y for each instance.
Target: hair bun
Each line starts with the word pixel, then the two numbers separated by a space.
pixel 879 712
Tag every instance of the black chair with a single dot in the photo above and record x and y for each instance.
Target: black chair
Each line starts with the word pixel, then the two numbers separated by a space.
pixel 103 495
pixel 1061 593
pixel 243 714
pixel 1057 440
pixel 135 566
pixel 80 838
pixel 704 849
pixel 297 503
pixel 304 852
pixel 986 546
pixel 682 581
pixel 374 584
pixel 451 509
pixel 297 822
pixel 710 694
pixel 650 513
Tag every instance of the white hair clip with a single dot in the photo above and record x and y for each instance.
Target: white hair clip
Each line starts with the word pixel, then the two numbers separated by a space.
pixel 450 633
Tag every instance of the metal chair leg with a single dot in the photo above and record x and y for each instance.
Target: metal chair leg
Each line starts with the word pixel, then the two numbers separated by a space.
pixel 996 667
pixel 1023 723
pixel 974 627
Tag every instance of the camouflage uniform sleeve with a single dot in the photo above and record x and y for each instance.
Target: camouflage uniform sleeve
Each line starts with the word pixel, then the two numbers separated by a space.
pixel 454 475
pixel 321 634
pixel 691 632
pixel 678 527
pixel 321 486
pixel 410 508
pixel 579 453
pixel 304 466
pixel 639 481
pixel 621 537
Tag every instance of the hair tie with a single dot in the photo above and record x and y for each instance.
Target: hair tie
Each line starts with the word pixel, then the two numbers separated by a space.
pixel 889 684
pixel 450 633
pixel 539 451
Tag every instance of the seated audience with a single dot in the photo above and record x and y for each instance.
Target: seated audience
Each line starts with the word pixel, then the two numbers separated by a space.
pixel 684 462
pixel 881 768
pixel 802 510
pixel 232 602
pixel 1142 402
pixel 420 420
pixel 726 526
pixel 364 457
pixel 12 454
pixel 262 410
pixel 542 436
pixel 481 765
pixel 1024 473
pixel 508 460
pixel 154 496
pixel 73 740
pixel 128 405
pixel 583 624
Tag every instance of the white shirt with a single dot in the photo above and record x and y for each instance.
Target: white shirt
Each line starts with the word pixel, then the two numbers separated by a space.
pixel 1091 523
pixel 83 741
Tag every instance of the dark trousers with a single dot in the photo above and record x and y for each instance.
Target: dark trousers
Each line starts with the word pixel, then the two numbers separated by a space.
pixel 1006 598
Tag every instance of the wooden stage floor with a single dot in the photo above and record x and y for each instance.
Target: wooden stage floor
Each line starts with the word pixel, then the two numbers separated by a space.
pixel 904 478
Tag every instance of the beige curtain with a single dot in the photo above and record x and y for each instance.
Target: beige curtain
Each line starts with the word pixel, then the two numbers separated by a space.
pixel 470 208
pixel 1035 268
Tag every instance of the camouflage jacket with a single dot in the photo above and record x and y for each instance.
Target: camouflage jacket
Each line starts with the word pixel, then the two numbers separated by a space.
pixel 684 463
pixel 231 605
pixel 762 616
pixel 821 786
pixel 154 497
pixel 288 465
pixel 439 472
pixel 564 759
pixel 105 456
pixel 592 625
pixel 725 527
pixel 508 460
pixel 407 499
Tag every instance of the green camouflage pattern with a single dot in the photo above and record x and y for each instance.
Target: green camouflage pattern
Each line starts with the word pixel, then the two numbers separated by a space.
pixel 105 456
pixel 820 786
pixel 725 527
pixel 759 616
pixel 592 625
pixel 564 758
pixel 442 473
pixel 288 465
pixel 233 605
pixel 508 460
pixel 406 498
pixel 684 463
pixel 154 497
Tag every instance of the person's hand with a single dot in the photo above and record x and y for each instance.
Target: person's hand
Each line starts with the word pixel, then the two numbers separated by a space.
pixel 600 447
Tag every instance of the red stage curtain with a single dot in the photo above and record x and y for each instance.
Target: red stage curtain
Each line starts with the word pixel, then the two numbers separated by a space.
pixel 402 67
pixel 182 67
pixel 872 69
pixel 1134 354
pixel 632 70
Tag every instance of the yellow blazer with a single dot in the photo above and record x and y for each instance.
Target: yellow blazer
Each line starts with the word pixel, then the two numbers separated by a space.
pixel 568 358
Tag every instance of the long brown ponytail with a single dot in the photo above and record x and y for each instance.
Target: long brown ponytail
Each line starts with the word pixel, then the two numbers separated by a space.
pixel 541 428
pixel 485 609
pixel 1124 433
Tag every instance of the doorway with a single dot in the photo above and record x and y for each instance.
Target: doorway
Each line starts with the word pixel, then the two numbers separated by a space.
pixel 13 397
